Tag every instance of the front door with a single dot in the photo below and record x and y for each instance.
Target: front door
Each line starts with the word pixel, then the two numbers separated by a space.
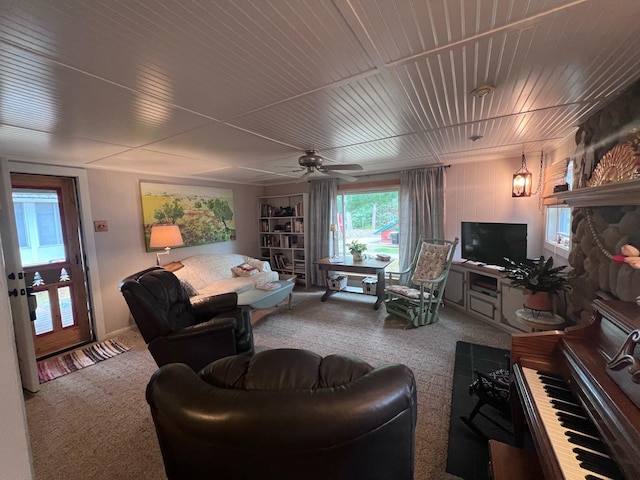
pixel 46 212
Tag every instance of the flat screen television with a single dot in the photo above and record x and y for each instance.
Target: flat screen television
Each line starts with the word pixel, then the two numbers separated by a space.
pixel 489 242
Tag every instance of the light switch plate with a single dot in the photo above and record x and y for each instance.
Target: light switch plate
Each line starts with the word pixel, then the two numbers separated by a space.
pixel 100 226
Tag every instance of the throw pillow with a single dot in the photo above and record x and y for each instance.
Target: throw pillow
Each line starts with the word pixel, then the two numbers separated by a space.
pixel 244 270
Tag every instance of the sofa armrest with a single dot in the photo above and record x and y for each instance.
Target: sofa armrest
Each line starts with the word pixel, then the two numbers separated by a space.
pixel 205 328
pixel 211 306
pixel 198 345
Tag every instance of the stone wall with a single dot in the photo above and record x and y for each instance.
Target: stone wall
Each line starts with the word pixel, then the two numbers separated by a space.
pixel 613 226
pixel 595 273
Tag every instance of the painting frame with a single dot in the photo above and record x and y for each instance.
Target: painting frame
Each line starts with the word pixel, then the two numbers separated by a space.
pixel 205 215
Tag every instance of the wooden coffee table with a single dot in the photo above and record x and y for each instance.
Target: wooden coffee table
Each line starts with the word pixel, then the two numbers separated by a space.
pixel 369 266
pixel 258 298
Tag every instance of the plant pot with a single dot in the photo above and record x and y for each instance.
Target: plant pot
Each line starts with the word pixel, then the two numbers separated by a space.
pixel 357 256
pixel 540 301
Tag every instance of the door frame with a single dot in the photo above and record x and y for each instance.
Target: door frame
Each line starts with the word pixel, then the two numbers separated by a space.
pixel 60 338
pixel 86 222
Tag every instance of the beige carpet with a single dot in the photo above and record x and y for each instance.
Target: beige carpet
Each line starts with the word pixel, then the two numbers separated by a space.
pixel 95 422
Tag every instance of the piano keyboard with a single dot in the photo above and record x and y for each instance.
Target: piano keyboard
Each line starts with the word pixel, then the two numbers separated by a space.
pixel 580 452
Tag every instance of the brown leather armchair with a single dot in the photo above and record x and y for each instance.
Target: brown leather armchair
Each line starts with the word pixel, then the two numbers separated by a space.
pixel 285 414
pixel 177 330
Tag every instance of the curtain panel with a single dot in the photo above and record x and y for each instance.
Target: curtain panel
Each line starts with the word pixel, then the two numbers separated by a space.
pixel 322 212
pixel 421 208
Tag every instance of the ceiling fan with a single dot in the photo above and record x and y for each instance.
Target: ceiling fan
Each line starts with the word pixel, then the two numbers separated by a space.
pixel 311 161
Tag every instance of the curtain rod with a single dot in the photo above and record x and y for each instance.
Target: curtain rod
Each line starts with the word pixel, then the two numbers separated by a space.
pixel 439 166
pixel 432 166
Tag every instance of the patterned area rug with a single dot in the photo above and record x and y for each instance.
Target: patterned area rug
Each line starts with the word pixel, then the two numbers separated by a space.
pixel 70 362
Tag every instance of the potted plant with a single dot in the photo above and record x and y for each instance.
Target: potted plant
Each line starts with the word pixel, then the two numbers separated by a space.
pixel 540 279
pixel 356 248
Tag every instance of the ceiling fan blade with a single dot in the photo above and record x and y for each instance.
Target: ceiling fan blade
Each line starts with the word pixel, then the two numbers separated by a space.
pixel 341 176
pixel 304 177
pixel 350 166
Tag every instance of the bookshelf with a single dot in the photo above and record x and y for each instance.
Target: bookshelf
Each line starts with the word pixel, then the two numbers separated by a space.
pixel 281 225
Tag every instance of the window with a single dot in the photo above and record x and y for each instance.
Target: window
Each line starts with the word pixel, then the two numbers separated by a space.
pixel 558 229
pixel 370 218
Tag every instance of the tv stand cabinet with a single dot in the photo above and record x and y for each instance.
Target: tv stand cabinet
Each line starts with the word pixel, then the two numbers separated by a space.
pixel 484 293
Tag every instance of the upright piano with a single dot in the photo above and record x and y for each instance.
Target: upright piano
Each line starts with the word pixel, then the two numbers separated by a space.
pixel 578 391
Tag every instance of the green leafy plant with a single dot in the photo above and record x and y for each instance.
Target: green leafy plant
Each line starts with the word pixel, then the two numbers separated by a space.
pixel 356 247
pixel 539 275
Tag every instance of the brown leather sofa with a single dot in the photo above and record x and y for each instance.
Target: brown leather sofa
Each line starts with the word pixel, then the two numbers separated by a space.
pixel 285 414
pixel 177 330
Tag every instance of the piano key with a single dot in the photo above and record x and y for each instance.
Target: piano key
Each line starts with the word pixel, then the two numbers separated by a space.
pixel 567 407
pixel 587 442
pixel 578 424
pixel 596 463
pixel 560 394
pixel 571 467
pixel 553 381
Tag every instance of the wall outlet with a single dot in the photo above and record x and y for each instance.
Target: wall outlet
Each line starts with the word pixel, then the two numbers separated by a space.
pixel 100 226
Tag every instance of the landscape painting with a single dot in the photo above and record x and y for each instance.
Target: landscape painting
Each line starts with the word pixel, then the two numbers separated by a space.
pixel 205 215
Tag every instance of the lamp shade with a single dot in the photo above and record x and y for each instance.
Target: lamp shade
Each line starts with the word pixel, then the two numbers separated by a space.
pixel 165 236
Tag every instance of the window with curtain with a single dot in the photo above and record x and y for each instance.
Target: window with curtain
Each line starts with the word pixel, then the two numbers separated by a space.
pixel 370 217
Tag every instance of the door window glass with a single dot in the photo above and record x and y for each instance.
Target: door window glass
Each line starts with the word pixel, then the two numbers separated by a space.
pixel 39 226
pixel 21 224
pixel 48 222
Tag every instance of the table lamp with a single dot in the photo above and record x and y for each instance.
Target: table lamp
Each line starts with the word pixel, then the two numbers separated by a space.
pixel 165 236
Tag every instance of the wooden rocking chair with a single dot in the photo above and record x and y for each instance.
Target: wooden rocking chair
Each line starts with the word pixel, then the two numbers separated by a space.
pixel 419 299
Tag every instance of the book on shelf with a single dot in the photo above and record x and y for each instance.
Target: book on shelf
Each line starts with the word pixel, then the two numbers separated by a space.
pixel 281 261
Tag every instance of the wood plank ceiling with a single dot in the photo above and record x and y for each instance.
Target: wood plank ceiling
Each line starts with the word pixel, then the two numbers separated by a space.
pixel 236 90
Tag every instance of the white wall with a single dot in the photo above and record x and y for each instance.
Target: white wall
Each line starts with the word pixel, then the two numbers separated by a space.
pixel 481 192
pixel 115 197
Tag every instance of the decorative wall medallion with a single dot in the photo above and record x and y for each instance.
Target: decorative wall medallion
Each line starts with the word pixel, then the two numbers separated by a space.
pixel 619 163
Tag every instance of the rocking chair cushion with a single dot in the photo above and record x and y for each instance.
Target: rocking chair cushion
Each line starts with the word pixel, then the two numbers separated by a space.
pixel 432 261
pixel 404 291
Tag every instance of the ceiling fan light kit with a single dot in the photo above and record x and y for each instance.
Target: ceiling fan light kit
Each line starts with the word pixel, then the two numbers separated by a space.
pixel 315 163
pixel 310 159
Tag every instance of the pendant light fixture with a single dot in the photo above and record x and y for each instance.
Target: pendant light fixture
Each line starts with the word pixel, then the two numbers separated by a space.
pixel 522 180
